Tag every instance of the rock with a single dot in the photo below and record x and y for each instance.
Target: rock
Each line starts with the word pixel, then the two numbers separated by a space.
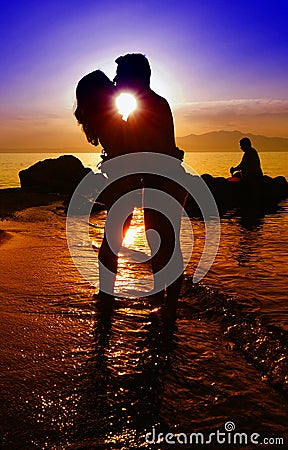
pixel 62 175
pixel 58 175
pixel 261 196
pixel 280 187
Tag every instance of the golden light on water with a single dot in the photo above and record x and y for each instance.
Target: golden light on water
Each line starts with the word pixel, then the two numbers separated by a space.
pixel 134 271
pixel 131 235
pixel 135 236
pixel 126 103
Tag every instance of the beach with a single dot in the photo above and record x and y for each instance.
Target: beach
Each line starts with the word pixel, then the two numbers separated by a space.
pixel 16 199
pixel 76 376
pixel 206 366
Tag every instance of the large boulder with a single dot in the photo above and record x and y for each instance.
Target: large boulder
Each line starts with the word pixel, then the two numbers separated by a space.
pixel 58 175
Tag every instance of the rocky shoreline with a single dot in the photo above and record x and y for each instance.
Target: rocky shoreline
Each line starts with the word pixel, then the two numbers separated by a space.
pixel 54 180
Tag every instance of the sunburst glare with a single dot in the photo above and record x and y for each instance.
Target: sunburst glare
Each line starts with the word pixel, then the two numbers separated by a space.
pixel 126 103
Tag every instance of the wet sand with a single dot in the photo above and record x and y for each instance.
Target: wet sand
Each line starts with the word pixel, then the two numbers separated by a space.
pixel 4 236
pixel 17 199
pixel 75 376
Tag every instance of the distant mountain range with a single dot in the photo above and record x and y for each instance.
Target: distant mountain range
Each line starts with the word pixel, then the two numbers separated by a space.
pixel 228 141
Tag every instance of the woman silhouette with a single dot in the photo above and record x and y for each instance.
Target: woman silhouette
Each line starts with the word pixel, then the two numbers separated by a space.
pixel 101 122
pixel 97 113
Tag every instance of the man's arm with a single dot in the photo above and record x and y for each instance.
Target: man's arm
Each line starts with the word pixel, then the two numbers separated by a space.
pixel 239 167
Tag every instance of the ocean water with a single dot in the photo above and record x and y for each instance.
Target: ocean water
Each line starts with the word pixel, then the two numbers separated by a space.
pixel 215 163
pixel 81 377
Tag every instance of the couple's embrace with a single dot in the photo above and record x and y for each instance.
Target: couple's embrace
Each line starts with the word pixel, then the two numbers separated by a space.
pixel 138 155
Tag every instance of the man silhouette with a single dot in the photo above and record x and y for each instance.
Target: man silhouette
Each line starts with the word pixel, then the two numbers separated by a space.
pixel 151 129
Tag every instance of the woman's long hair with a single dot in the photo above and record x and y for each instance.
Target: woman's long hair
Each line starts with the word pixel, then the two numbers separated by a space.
pixel 93 94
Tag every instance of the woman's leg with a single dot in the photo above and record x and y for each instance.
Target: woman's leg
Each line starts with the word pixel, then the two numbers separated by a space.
pixel 117 223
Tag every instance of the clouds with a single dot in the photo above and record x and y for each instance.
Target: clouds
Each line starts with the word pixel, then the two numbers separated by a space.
pixel 235 106
pixel 204 51
pixel 258 116
pixel 36 129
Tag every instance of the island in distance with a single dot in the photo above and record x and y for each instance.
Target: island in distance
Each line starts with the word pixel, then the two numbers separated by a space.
pixel 228 141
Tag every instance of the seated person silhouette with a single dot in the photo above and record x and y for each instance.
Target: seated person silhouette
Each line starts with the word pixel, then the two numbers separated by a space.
pixel 250 166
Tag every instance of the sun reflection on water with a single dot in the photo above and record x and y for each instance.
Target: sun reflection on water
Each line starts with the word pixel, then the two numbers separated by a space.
pixel 134 256
pixel 135 237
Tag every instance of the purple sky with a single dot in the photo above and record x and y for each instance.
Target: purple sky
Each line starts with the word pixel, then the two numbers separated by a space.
pixel 221 64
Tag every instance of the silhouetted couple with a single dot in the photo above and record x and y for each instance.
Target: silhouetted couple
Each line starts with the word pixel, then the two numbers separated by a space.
pixel 142 143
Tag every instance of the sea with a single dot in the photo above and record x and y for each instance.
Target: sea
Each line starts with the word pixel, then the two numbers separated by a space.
pixel 78 376
pixel 215 163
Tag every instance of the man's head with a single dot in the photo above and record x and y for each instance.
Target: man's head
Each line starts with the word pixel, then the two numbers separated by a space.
pixel 245 144
pixel 133 72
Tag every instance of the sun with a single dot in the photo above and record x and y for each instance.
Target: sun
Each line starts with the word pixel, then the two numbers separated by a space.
pixel 126 103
